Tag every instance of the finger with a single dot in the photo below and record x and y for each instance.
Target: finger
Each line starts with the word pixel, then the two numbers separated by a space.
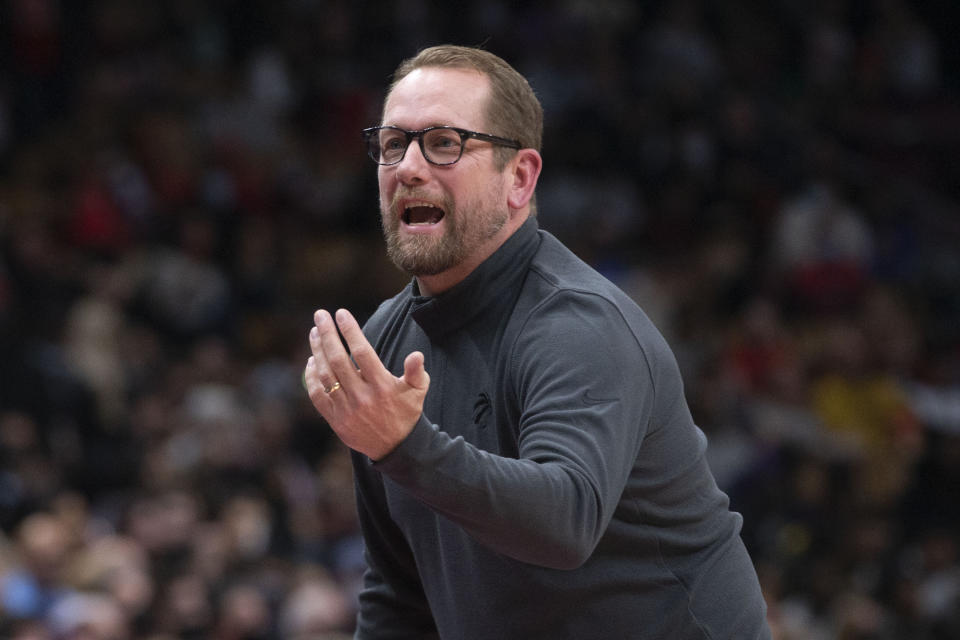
pixel 334 352
pixel 414 372
pixel 314 385
pixel 363 353
pixel 324 375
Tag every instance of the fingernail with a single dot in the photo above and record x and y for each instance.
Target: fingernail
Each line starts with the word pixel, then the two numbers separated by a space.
pixel 341 315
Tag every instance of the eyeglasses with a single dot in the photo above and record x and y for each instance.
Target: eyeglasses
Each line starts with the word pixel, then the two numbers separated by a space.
pixel 439 145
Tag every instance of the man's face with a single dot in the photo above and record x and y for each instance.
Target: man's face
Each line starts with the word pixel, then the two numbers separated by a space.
pixel 438 217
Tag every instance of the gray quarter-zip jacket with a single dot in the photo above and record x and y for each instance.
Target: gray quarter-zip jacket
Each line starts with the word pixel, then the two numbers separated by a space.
pixel 555 486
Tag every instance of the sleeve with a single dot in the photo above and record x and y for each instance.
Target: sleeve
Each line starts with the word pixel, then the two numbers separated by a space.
pixel 391 600
pixel 585 391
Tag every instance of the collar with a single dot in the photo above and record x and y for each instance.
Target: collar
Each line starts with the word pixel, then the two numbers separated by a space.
pixel 486 285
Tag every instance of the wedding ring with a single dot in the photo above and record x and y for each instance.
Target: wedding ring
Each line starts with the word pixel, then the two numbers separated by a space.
pixel 336 385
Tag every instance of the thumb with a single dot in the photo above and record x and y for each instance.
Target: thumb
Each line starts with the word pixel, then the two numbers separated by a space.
pixel 414 372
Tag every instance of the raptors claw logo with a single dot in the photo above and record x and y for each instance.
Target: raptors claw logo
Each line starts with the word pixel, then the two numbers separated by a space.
pixel 481 409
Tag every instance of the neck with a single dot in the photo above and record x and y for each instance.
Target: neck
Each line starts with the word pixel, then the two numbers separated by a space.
pixel 436 284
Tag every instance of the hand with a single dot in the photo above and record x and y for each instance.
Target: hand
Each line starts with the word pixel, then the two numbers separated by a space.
pixel 369 408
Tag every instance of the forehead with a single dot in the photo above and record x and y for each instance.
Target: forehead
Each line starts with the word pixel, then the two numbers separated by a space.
pixel 430 96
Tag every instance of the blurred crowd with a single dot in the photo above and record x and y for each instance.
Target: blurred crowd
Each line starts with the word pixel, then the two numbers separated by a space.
pixel 182 184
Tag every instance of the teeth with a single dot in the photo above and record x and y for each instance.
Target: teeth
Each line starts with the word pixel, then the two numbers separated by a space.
pixel 420 204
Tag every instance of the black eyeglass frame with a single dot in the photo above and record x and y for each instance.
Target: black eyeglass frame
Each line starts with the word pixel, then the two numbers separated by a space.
pixel 465 134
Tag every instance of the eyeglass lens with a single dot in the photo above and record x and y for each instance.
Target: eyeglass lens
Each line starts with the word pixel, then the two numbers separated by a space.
pixel 440 146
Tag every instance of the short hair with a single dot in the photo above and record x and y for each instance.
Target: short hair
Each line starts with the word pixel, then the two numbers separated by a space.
pixel 512 110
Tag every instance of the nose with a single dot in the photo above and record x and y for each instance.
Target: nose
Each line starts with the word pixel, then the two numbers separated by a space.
pixel 414 168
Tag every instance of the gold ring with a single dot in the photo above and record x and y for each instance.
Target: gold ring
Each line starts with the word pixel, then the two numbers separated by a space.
pixel 336 385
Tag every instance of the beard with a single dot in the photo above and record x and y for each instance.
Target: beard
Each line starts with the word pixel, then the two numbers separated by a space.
pixel 466 228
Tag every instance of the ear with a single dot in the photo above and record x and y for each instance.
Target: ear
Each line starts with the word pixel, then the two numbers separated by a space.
pixel 524 171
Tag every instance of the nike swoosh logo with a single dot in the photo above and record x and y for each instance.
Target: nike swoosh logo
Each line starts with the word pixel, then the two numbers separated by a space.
pixel 591 400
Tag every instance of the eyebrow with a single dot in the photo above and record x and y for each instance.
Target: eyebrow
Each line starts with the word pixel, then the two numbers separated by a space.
pixel 432 124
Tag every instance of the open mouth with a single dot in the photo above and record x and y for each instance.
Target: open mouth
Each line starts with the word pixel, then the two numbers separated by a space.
pixel 421 214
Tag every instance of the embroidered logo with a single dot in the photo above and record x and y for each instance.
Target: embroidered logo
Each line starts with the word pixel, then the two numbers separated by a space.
pixel 591 400
pixel 481 410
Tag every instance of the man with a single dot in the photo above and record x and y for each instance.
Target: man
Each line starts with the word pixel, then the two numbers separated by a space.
pixel 545 479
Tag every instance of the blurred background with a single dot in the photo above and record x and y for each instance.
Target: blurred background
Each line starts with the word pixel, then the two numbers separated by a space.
pixel 182 183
